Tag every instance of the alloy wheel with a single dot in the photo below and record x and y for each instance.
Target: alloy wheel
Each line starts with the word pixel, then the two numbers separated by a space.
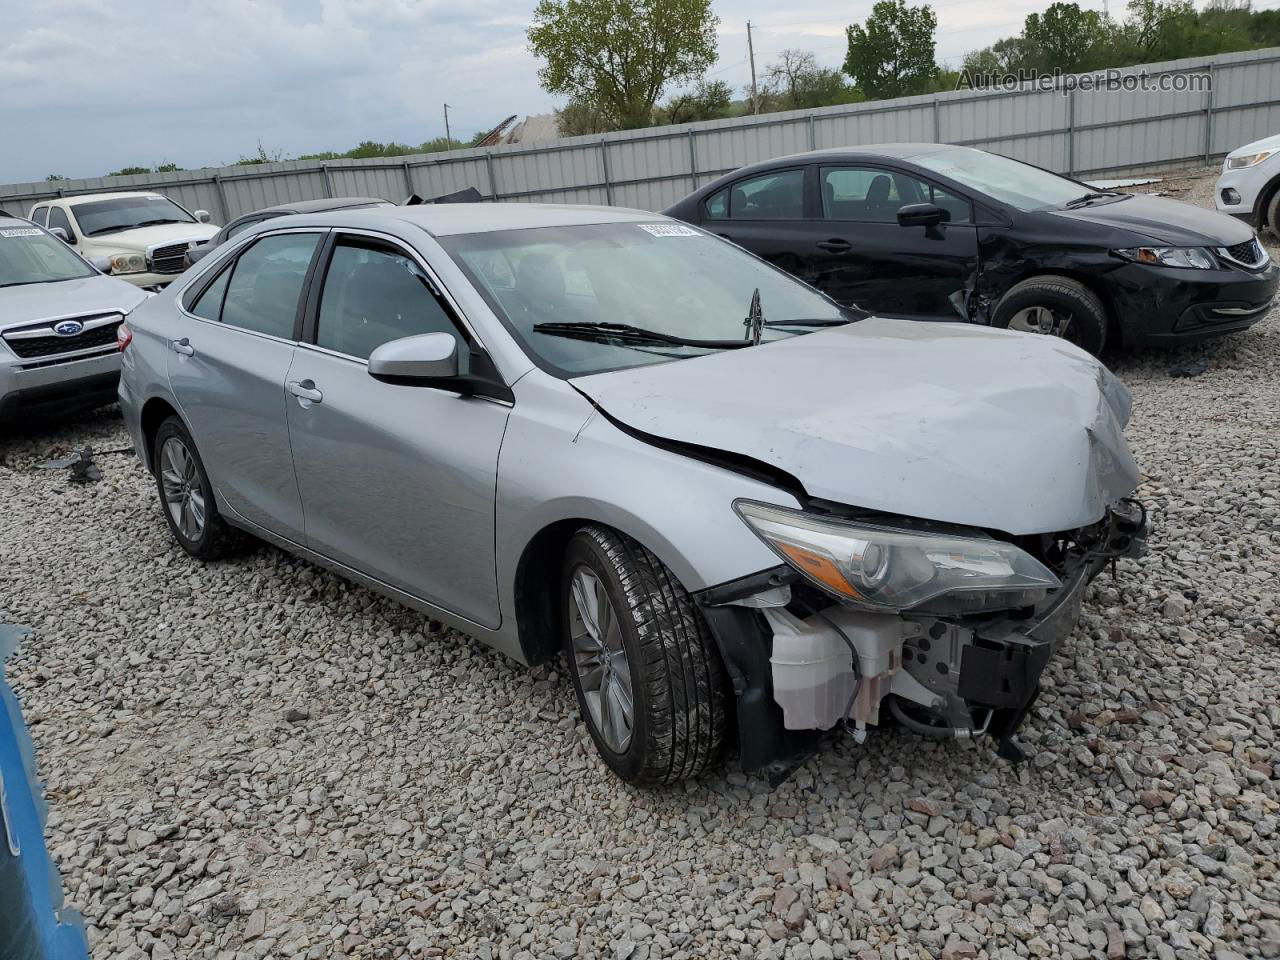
pixel 183 495
pixel 1043 320
pixel 600 659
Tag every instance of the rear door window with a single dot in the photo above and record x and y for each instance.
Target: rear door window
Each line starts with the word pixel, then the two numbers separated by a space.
pixel 772 196
pixel 266 284
pixel 375 293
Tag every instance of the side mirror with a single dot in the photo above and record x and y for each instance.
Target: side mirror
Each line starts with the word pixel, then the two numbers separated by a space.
pixel 103 264
pixel 922 215
pixel 427 359
pixel 202 216
pixel 60 233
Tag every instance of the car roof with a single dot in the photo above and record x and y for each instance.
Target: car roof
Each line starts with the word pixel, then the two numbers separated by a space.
pixel 319 206
pixel 449 219
pixel 896 151
pixel 119 195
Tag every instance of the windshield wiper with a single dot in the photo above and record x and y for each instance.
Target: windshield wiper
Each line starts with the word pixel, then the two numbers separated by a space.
pixel 1090 197
pixel 152 223
pixel 827 322
pixel 755 319
pixel 627 334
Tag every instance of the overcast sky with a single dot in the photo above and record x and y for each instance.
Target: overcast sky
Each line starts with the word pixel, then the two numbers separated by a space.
pixel 89 86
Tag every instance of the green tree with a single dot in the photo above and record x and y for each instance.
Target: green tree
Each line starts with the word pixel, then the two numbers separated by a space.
pixel 705 100
pixel 54 177
pixel 1155 30
pixel 892 55
pixel 128 171
pixel 1067 38
pixel 167 167
pixel 619 56
pixel 795 82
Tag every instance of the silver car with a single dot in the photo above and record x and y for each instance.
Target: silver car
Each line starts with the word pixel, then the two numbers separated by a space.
pixel 58 321
pixel 743 514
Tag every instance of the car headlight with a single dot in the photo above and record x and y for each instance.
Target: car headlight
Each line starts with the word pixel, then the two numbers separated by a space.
pixel 887 569
pixel 1249 160
pixel 1195 257
pixel 128 263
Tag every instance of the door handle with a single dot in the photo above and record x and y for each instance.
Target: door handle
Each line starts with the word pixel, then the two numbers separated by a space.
pixel 835 246
pixel 183 347
pixel 305 391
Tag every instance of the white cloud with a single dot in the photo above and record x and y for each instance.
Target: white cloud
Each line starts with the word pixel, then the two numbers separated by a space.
pixel 92 85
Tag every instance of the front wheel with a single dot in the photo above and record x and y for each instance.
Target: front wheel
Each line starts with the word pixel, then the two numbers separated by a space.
pixel 1056 306
pixel 648 677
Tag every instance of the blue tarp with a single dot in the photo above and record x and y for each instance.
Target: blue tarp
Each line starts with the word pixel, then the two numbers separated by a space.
pixel 33 924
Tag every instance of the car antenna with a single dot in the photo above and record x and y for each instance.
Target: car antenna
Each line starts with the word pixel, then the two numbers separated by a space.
pixel 755 319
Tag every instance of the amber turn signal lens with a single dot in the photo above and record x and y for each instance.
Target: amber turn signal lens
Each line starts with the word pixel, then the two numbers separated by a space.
pixel 820 568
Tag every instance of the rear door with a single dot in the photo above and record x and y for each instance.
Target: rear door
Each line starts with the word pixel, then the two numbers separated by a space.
pixel 769 214
pixel 229 355
pixel 397 480
pixel 864 257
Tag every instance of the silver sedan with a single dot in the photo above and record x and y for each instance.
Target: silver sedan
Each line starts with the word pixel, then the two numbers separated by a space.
pixel 742 513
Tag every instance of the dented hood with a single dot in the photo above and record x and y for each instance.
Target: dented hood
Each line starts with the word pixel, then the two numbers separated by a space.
pixel 942 421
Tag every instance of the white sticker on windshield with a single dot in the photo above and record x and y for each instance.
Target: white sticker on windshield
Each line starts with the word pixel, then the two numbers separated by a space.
pixel 20 232
pixel 668 230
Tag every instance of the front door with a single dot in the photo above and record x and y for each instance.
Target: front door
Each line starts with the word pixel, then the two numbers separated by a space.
pixel 229 354
pixel 860 255
pixel 397 481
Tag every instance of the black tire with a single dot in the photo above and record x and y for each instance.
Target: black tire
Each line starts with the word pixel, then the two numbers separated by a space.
pixel 216 539
pixel 1273 213
pixel 1070 302
pixel 678 681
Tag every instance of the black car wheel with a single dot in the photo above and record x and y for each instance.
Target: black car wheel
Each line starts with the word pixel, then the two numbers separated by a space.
pixel 1273 213
pixel 187 496
pixel 1056 306
pixel 648 676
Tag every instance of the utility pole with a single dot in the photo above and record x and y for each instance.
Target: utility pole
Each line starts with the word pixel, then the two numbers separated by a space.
pixel 448 140
pixel 751 52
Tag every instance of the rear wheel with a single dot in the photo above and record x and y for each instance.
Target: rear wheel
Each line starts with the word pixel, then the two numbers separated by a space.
pixel 1055 306
pixel 187 496
pixel 648 677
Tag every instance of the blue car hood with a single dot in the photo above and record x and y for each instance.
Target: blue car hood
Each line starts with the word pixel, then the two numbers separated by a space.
pixel 942 421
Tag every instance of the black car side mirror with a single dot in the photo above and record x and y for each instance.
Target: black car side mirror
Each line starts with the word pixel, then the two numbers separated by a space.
pixel 922 215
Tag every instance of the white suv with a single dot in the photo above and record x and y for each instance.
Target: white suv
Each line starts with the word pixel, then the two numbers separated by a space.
pixel 139 237
pixel 1249 187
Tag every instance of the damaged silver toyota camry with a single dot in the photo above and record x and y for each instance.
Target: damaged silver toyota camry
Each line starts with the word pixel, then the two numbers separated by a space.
pixel 743 514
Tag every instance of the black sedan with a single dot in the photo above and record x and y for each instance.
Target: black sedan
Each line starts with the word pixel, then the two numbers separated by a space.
pixel 244 222
pixel 936 232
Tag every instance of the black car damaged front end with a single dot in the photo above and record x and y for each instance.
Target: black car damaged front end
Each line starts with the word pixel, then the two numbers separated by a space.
pixel 949 678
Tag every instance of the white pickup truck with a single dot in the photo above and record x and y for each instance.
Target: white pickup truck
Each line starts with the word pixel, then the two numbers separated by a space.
pixel 139 237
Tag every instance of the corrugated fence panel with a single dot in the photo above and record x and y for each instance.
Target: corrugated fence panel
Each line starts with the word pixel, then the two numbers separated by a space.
pixel 387 182
pixel 1111 130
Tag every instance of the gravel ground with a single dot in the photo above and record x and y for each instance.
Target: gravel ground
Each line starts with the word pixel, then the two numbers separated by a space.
pixel 257 759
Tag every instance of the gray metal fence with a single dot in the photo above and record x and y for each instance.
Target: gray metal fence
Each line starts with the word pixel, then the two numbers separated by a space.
pixel 1085 132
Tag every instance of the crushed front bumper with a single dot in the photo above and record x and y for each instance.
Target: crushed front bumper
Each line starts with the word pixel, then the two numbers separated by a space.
pixel 967 676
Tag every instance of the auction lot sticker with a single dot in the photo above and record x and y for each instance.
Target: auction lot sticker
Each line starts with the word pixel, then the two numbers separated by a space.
pixel 668 230
pixel 21 232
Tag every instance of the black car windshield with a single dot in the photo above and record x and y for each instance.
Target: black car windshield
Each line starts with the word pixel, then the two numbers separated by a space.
pixel 588 298
pixel 1018 184
pixel 123 213
pixel 29 255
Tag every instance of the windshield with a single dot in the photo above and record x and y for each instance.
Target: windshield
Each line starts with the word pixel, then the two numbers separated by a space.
pixel 109 216
pixel 584 299
pixel 29 255
pixel 1017 184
